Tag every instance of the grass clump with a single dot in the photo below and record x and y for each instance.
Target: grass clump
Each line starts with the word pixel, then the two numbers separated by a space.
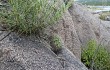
pixel 96 57
pixel 31 16
pixel 104 15
pixel 55 43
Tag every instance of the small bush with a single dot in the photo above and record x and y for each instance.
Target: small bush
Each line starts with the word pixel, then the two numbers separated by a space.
pixel 96 57
pixel 55 43
pixel 103 15
pixel 30 16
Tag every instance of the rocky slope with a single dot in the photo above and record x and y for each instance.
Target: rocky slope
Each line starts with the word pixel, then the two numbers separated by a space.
pixel 76 27
pixel 30 53
pixel 88 26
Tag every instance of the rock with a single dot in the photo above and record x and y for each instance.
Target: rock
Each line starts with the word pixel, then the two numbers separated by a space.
pixel 30 53
pixel 89 27
pixel 68 55
pixel 66 30
pixel 108 18
pixel 78 26
pixel 83 23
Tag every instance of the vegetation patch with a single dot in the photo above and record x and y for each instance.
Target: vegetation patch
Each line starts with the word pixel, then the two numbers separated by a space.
pixel 31 16
pixel 96 57
pixel 103 15
pixel 56 44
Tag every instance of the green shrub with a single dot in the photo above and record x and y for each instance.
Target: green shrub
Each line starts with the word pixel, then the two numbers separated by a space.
pixel 55 43
pixel 30 16
pixel 96 57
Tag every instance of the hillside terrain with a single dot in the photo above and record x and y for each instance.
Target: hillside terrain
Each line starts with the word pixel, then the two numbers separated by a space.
pixel 76 28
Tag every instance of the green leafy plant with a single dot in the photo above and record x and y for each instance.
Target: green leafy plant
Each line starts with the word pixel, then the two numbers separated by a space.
pixel 96 57
pixel 87 53
pixel 31 16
